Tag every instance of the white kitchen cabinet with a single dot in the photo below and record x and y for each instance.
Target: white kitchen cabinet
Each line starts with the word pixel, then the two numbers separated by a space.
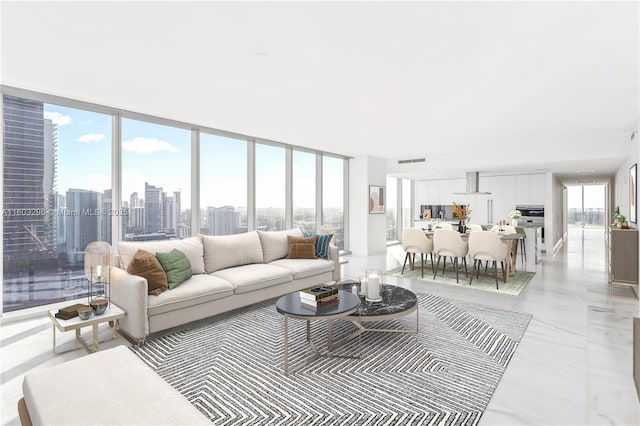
pixel 536 190
pixel 427 192
pixel 503 192
pixel 523 190
pixel 451 190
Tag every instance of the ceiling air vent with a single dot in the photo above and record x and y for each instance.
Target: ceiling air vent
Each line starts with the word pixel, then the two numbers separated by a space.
pixel 413 160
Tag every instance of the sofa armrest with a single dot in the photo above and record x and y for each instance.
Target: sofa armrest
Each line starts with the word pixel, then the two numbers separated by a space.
pixel 334 256
pixel 130 293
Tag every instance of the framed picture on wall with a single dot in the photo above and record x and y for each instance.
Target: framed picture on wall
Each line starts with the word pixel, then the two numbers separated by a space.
pixel 633 193
pixel 376 199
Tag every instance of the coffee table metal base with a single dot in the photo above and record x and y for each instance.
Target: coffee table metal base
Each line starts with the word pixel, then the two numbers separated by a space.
pixel 315 347
pixel 358 322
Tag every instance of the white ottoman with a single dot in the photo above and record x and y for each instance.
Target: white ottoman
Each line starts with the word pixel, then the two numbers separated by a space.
pixel 105 388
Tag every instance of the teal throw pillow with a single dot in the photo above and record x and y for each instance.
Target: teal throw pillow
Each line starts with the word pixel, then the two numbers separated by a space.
pixel 322 244
pixel 176 266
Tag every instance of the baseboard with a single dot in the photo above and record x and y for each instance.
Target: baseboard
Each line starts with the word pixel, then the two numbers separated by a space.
pixel 557 246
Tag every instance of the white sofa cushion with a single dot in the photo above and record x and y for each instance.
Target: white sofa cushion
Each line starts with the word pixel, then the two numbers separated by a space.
pixel 303 268
pixel 198 289
pixel 191 247
pixel 227 251
pixel 255 276
pixel 128 392
pixel 275 244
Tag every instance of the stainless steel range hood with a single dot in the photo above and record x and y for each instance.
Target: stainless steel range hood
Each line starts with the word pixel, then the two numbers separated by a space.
pixel 472 184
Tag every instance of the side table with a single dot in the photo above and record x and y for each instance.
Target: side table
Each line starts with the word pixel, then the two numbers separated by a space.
pixel 113 313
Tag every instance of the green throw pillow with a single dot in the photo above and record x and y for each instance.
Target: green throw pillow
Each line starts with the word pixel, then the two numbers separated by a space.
pixel 176 266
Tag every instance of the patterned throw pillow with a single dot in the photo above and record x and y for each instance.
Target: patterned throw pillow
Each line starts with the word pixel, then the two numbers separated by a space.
pixel 146 265
pixel 302 247
pixel 322 244
pixel 176 266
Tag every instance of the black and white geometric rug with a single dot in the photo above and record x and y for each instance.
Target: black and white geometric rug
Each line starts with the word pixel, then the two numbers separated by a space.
pixel 232 369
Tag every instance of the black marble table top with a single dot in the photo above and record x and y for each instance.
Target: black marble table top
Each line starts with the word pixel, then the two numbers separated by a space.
pixel 394 300
pixel 290 304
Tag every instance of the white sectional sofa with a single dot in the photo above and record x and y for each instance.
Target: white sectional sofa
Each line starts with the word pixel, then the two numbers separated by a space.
pixel 229 272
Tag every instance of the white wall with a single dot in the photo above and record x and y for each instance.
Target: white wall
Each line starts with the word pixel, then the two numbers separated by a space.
pixel 621 181
pixel 367 231
pixel 553 212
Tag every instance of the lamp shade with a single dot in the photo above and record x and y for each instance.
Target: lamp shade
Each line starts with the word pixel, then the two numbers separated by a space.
pixel 97 261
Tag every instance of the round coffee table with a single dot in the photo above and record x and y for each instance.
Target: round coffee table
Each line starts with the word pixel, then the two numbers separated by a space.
pixel 290 306
pixel 396 302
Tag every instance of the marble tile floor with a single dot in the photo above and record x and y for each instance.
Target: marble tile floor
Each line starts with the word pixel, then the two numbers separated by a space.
pixel 573 366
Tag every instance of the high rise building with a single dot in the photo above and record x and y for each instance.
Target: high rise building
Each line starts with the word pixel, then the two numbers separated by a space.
pixel 105 218
pixel 169 219
pixel 24 180
pixel 222 220
pixel 153 208
pixel 82 222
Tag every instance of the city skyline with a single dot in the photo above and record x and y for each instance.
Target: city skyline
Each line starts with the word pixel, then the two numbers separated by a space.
pixel 162 154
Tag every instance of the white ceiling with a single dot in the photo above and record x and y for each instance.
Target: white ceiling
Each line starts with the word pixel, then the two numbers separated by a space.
pixel 490 87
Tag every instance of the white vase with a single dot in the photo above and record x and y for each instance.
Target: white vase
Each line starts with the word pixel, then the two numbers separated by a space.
pixel 514 222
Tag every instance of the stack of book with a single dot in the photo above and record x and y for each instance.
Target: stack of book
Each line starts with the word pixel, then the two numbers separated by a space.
pixel 318 296
pixel 69 311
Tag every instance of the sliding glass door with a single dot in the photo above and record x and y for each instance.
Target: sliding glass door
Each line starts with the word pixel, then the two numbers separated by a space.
pixel 586 206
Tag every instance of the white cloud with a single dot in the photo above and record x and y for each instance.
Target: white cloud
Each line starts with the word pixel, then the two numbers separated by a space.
pixel 92 137
pixel 57 118
pixel 147 145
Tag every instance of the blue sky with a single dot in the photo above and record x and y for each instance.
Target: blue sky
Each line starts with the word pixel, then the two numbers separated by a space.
pixel 161 156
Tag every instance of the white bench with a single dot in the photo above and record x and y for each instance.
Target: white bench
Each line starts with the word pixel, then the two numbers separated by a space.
pixel 105 388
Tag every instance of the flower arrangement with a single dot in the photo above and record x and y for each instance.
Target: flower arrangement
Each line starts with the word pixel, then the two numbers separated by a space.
pixel 461 212
pixel 516 214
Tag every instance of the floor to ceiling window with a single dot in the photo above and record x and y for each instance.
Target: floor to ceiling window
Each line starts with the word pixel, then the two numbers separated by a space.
pixel 406 203
pixel 223 185
pixel 586 206
pixel 392 209
pixel 58 173
pixel 270 187
pixel 304 190
pixel 57 199
pixel 333 196
pixel 156 180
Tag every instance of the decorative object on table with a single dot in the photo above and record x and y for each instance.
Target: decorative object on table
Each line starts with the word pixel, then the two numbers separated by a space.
pixel 364 284
pixel 616 213
pixel 376 199
pixel 69 312
pixel 462 213
pixel 319 302
pixel 318 296
pixel 633 193
pixel 354 289
pixel 514 216
pixel 97 269
pixel 84 312
pixel 318 293
pixel 621 222
pixel 374 283
pixel 99 306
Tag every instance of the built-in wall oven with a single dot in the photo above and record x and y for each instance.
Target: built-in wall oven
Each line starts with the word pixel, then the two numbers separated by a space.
pixel 532 216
